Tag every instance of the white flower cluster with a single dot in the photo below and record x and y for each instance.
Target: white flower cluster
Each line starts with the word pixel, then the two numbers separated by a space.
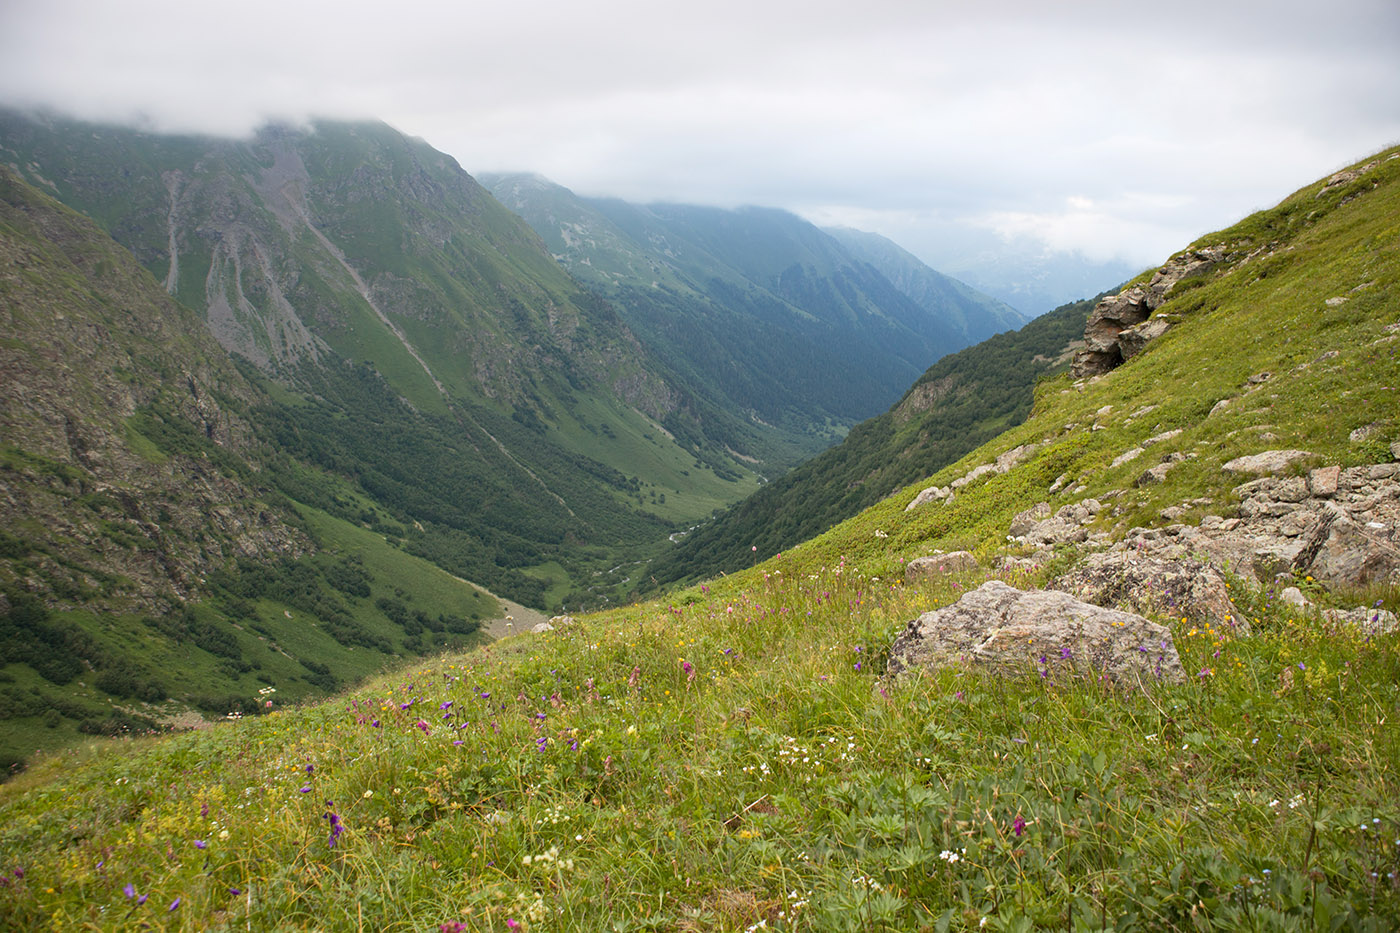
pixel 547 858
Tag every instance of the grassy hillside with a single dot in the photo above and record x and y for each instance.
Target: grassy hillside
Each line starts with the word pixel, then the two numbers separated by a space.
pixel 961 402
pixel 730 758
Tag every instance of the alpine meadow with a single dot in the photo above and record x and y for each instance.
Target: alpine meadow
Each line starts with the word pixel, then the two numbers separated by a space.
pixel 385 550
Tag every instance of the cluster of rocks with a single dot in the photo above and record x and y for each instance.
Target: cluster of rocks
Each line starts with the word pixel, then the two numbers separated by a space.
pixel 1037 527
pixel 1337 526
pixel 1121 325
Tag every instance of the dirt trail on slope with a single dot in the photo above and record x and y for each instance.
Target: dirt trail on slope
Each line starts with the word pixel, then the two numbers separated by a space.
pixel 514 617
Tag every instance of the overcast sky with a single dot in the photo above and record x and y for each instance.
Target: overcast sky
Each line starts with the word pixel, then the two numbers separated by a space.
pixel 1117 130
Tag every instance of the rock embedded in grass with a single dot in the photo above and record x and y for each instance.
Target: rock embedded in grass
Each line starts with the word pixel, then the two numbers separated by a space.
pixel 940 563
pixel 1181 588
pixel 1039 631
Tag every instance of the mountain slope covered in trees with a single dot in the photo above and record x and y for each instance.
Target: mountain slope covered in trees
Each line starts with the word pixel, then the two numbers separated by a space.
pixel 767 313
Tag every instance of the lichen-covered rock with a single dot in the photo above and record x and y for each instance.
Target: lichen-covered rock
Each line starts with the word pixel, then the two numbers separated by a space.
pixel 931 494
pixel 1025 521
pixel 1182 587
pixel 1120 326
pixel 1017 631
pixel 940 563
pixel 1342 526
pixel 1267 462
pixel 1374 621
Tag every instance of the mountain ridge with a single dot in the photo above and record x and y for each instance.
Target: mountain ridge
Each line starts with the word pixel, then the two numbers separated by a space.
pixel 681 273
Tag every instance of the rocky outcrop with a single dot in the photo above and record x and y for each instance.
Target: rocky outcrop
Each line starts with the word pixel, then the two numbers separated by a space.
pixel 1179 588
pixel 931 494
pixel 1014 631
pixel 1068 525
pixel 1267 462
pixel 1341 526
pixel 1121 325
pixel 1002 464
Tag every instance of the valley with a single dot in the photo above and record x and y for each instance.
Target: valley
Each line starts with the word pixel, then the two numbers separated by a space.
pixel 374 349
pixel 872 728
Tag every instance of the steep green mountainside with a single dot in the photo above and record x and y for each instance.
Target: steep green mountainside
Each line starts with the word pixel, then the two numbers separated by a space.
pixel 735 756
pixel 426 347
pixel 961 402
pixel 975 315
pixel 765 311
pixel 1289 340
pixel 151 564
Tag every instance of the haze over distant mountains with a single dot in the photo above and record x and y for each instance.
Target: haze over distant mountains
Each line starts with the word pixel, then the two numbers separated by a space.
pixel 757 304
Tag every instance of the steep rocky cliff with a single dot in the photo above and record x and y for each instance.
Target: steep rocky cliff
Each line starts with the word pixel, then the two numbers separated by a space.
pixel 102 377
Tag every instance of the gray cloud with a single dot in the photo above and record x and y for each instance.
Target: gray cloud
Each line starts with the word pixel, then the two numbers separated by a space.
pixel 1102 128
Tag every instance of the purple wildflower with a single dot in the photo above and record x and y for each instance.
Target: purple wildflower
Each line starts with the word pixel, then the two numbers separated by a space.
pixel 1064 652
pixel 129 889
pixel 1018 825
pixel 336 827
pixel 422 725
pixel 200 844
pixel 173 904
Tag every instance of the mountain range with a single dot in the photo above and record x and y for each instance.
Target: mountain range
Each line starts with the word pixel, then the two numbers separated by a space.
pixel 758 306
pixel 1131 663
pixel 252 384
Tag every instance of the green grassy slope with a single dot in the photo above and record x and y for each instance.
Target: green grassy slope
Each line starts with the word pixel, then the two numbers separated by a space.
pixel 730 759
pixel 961 402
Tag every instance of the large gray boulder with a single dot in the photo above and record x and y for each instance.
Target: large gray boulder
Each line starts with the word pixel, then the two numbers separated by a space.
pixel 1018 631
pixel 1267 462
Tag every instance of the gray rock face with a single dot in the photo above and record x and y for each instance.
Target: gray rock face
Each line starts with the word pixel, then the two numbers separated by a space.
pixel 1120 326
pixel 940 563
pixel 1267 462
pixel 1182 588
pixel 1370 621
pixel 931 494
pixel 1025 521
pixel 1340 526
pixel 1066 526
pixel 1014 631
